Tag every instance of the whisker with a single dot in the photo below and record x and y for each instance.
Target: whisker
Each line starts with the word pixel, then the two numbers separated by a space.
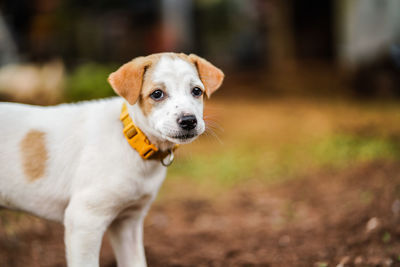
pixel 215 127
pixel 212 133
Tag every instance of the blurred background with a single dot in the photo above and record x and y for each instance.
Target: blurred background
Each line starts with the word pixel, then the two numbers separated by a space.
pixel 300 162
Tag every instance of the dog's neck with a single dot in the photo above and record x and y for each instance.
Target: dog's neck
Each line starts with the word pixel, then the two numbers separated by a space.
pixel 163 145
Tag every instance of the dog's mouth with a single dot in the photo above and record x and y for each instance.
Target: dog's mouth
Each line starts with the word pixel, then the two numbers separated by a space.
pixel 180 136
pixel 184 136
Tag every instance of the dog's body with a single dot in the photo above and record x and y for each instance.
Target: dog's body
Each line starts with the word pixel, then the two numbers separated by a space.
pixel 71 163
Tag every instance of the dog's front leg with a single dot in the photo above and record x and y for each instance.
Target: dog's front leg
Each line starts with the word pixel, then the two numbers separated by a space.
pixel 126 236
pixel 84 230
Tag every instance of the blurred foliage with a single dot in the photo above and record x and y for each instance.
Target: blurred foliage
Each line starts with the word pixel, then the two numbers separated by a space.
pixel 343 149
pixel 89 81
pixel 280 163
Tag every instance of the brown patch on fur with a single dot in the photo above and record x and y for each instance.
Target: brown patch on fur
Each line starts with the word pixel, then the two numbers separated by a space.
pixel 145 103
pixel 34 154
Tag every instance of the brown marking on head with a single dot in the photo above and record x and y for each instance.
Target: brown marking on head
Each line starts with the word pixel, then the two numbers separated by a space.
pixel 180 56
pixel 34 154
pixel 145 103
pixel 148 86
pixel 211 76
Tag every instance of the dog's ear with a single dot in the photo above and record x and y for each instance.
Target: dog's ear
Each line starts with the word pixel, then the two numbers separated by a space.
pixel 210 75
pixel 128 79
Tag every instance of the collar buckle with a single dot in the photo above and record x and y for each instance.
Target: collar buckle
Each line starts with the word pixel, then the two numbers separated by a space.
pixel 148 152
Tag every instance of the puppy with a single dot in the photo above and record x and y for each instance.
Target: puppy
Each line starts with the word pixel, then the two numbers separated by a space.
pixel 97 165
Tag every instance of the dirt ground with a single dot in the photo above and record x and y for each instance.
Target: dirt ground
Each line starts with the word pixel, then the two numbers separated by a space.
pixel 349 217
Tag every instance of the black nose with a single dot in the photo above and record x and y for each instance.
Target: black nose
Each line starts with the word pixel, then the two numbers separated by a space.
pixel 187 122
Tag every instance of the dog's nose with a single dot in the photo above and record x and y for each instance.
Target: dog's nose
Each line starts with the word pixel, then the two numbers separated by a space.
pixel 187 122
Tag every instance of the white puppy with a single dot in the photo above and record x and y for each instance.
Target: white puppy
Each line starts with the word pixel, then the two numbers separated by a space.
pixel 95 167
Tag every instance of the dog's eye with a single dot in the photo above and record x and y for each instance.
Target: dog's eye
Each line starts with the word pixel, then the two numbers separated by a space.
pixel 157 95
pixel 196 92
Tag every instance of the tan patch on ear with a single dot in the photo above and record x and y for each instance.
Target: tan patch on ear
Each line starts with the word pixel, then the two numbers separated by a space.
pixel 34 154
pixel 127 80
pixel 211 76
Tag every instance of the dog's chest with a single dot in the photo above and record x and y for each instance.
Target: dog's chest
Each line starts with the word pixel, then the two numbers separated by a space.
pixel 151 176
pixel 142 178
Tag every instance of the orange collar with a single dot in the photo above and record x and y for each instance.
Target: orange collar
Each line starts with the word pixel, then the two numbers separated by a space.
pixel 138 141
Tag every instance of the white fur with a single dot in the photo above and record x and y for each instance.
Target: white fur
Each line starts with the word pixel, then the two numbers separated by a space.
pixel 93 179
pixel 179 78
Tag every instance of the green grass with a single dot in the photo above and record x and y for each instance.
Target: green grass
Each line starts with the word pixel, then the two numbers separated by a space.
pixel 226 167
pixel 272 164
pixel 342 149
pixel 386 237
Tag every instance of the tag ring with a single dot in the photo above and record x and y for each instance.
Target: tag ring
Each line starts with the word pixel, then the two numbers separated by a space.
pixel 169 158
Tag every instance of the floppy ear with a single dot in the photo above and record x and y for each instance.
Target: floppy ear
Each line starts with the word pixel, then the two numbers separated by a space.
pixel 210 75
pixel 128 79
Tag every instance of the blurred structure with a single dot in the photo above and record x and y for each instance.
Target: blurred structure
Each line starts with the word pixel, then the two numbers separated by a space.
pixel 177 24
pixel 8 49
pixel 360 37
pixel 369 36
pixel 33 83
pixel 367 30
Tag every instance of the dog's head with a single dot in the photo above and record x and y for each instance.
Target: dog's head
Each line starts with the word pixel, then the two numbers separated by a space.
pixel 165 92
